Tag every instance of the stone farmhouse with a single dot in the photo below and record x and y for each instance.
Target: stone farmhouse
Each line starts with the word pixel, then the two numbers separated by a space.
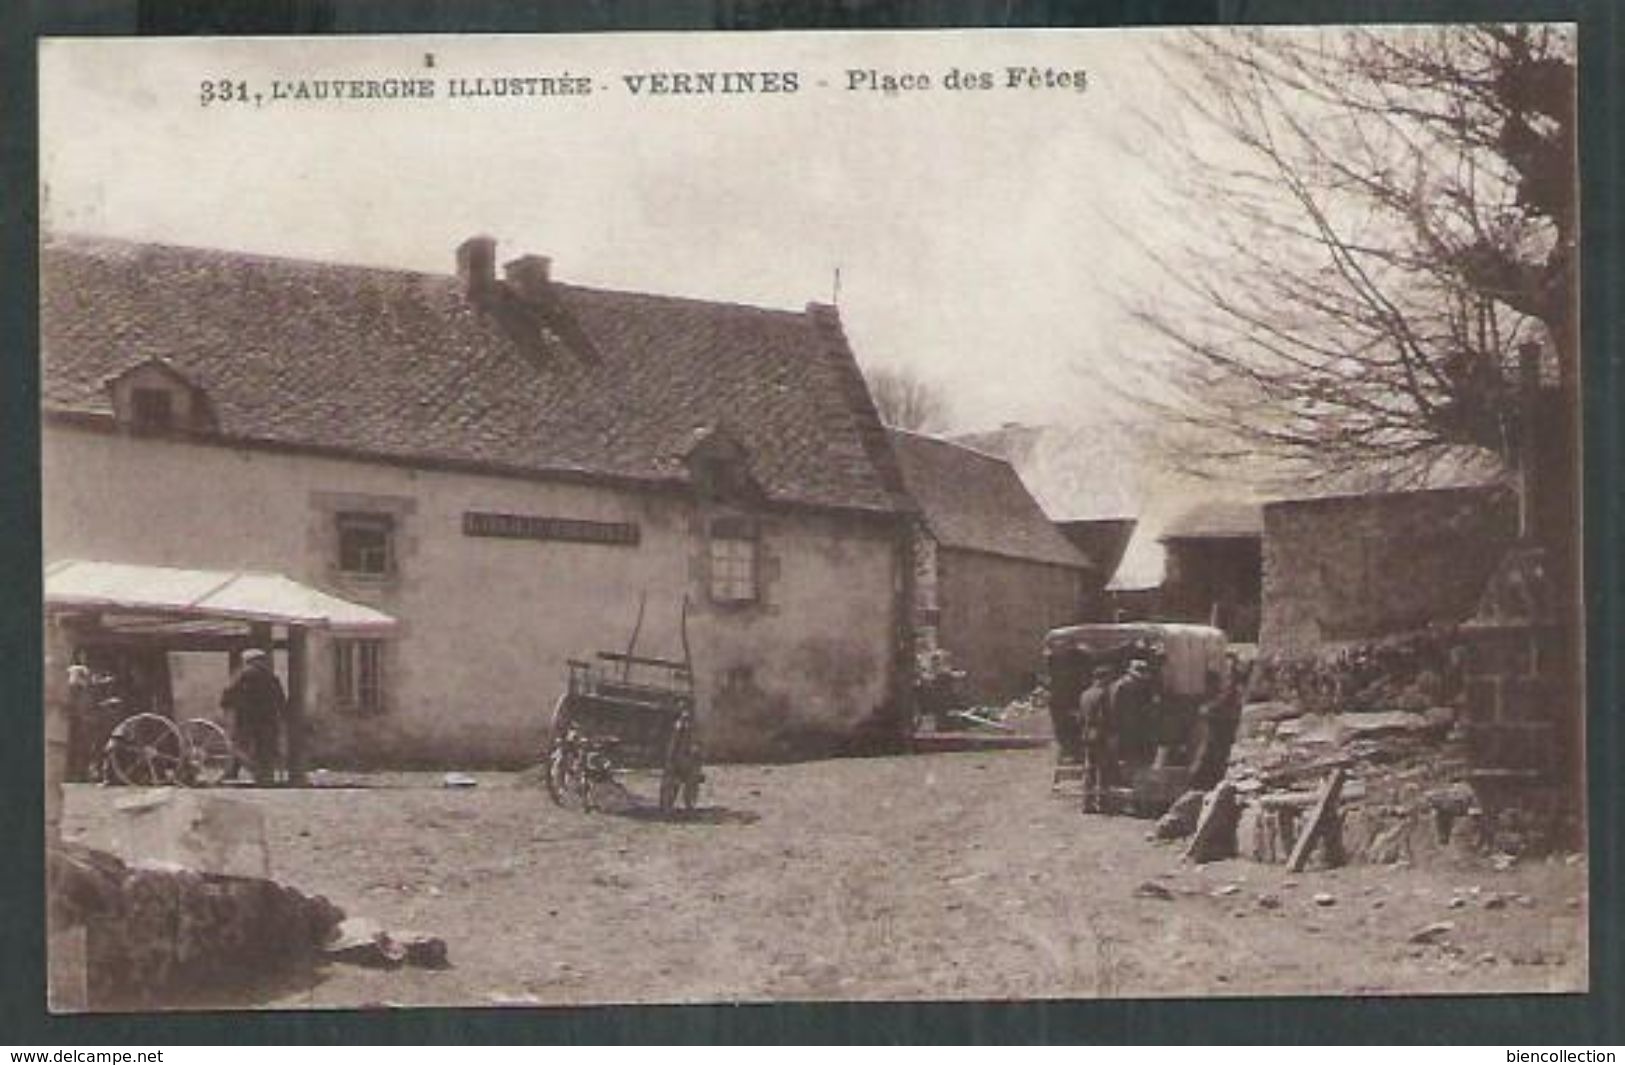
pixel 506 465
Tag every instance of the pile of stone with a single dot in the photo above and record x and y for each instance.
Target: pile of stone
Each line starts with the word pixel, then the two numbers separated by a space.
pixel 158 935
pixel 363 941
pixel 1408 671
pixel 1403 796
pixel 1383 718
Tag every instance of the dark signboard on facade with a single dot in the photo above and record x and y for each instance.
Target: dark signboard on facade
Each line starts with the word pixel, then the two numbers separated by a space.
pixel 535 527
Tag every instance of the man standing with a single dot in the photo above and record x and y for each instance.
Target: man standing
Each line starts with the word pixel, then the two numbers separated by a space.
pixel 257 703
pixel 81 705
pixel 1095 740
pixel 1220 717
pixel 1129 713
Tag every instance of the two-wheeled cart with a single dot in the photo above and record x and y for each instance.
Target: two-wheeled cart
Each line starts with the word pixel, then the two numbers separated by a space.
pixel 625 711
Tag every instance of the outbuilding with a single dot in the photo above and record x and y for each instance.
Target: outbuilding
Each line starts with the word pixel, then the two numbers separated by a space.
pixel 992 573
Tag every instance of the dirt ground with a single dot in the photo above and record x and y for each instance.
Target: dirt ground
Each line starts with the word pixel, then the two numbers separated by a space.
pixel 944 876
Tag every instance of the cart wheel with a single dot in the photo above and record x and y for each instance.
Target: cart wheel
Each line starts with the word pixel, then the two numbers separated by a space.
pixel 567 773
pixel 693 769
pixel 671 775
pixel 681 775
pixel 562 767
pixel 209 753
pixel 145 749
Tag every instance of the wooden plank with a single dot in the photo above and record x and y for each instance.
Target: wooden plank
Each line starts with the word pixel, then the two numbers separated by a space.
pixel 298 702
pixel 1297 800
pixel 642 660
pixel 976 719
pixel 1318 820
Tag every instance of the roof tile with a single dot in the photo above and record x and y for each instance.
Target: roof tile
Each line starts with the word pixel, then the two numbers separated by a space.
pixel 403 365
pixel 976 502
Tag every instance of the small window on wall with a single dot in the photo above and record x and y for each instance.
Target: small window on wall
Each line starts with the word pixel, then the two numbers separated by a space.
pixel 365 544
pixel 358 674
pixel 734 576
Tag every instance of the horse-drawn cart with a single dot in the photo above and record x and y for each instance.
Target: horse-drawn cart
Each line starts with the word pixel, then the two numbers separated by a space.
pixel 625 711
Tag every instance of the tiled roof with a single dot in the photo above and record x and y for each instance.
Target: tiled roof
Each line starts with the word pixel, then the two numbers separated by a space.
pixel 1216 519
pixel 403 365
pixel 976 502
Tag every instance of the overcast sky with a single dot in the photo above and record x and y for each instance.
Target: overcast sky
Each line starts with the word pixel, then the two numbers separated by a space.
pixel 975 231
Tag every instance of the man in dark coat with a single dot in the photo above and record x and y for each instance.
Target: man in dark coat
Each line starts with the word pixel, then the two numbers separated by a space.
pixel 1131 711
pixel 1094 706
pixel 1220 716
pixel 257 703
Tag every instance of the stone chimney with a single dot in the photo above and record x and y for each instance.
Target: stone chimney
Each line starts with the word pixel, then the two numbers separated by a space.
pixel 476 266
pixel 528 276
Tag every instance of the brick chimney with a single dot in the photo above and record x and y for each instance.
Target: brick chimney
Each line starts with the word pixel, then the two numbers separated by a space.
pixel 476 266
pixel 528 276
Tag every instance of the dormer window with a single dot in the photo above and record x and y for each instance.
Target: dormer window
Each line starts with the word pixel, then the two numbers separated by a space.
pixel 152 408
pixel 155 397
pixel 718 467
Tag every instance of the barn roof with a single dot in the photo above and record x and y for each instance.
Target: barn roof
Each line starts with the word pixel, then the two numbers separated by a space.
pixel 1216 520
pixel 406 366
pixel 976 502
pixel 1104 541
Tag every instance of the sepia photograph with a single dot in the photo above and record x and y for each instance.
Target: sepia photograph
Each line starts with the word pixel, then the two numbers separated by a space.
pixel 673 518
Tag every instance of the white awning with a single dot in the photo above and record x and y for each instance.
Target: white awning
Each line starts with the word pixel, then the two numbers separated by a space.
pixel 220 594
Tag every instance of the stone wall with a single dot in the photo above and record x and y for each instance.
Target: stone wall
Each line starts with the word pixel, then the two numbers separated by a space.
pixel 1525 723
pixel 1353 568
pixel 926 611
pixel 994 614
pixel 487 623
pixel 1449 741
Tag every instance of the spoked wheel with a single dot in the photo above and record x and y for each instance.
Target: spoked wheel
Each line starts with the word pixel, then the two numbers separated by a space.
pixel 209 753
pixel 680 777
pixel 145 749
pixel 567 773
pixel 565 769
pixel 691 786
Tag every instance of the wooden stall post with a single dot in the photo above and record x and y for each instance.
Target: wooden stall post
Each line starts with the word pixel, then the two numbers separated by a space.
pixel 298 682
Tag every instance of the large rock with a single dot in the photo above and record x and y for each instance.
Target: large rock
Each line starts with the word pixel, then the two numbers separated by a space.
pixel 193 830
pixel 1378 721
pixel 1180 820
pixel 1215 835
pixel 158 936
pixel 363 941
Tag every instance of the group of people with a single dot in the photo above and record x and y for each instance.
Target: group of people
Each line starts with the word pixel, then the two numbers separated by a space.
pixel 1122 718
pixel 1112 714
pixel 254 697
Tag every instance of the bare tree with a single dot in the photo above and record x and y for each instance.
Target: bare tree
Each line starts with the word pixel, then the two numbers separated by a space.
pixel 906 401
pixel 1377 223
